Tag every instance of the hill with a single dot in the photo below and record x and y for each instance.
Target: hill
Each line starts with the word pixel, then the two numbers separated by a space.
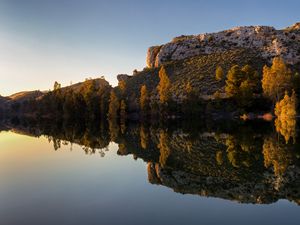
pixel 265 40
pixel 99 84
pixel 189 63
pixel 199 71
pixel 25 96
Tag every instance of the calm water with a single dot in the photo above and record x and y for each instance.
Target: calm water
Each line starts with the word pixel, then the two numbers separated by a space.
pixel 145 175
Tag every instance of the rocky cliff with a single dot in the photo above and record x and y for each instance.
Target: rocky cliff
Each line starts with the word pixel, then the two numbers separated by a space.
pixel 265 40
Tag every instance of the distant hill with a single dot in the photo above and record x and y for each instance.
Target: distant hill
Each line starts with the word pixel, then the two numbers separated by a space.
pixel 25 95
pixel 28 95
pixel 99 83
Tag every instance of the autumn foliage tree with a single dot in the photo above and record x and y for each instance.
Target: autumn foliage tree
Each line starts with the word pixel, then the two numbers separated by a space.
pixel 56 86
pixel 276 79
pixel 285 110
pixel 144 98
pixel 276 155
pixel 219 73
pixel 163 86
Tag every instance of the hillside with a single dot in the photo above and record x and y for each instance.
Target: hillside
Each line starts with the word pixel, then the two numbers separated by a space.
pixel 188 63
pixel 29 95
pixel 99 83
pixel 265 40
pixel 199 71
pixel 25 95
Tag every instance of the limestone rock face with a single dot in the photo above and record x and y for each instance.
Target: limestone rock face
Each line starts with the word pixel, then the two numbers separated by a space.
pixel 268 41
pixel 124 77
pixel 151 56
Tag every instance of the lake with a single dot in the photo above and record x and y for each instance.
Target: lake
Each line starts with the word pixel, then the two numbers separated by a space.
pixel 139 174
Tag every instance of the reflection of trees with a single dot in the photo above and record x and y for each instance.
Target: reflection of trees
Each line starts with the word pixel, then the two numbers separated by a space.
pixel 231 163
pixel 286 127
pixel 144 136
pixel 285 122
pixel 114 130
pixel 276 154
pixel 240 151
pixel 93 138
pixel 219 157
pixel 163 148
pixel 56 143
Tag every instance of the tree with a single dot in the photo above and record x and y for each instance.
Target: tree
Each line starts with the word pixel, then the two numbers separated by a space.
pixel 114 106
pixel 250 85
pixel 276 155
pixel 252 78
pixel 242 84
pixel 219 73
pixel 296 83
pixel 188 88
pixel 233 82
pixel 144 136
pixel 56 86
pixel 164 149
pixel 276 79
pixel 122 86
pixel 89 91
pixel 163 86
pixel 285 110
pixel 144 99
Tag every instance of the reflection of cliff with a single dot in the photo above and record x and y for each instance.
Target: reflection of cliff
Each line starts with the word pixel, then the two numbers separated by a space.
pixel 238 163
pixel 252 191
pixel 229 166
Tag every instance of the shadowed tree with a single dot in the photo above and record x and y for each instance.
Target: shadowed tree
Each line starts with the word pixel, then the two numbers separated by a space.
pixel 114 106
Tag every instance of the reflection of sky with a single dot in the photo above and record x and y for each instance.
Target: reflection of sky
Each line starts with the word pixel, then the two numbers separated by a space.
pixel 41 186
pixel 44 41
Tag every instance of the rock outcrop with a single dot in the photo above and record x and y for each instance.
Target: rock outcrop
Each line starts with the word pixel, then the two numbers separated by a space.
pixel 267 41
pixel 123 77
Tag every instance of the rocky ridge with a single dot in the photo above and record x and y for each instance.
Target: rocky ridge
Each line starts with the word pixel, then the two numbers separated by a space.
pixel 266 40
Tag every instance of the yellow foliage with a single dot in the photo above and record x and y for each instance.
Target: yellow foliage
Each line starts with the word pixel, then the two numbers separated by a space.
pixel 285 110
pixel 276 79
pixel 219 158
pixel 144 97
pixel 188 88
pixel 164 148
pixel 219 73
pixel 144 137
pixel 276 155
pixel 163 86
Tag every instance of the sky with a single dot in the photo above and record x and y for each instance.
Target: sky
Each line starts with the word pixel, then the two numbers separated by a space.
pixel 43 41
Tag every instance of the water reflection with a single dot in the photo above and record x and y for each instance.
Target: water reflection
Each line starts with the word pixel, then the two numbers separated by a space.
pixel 247 162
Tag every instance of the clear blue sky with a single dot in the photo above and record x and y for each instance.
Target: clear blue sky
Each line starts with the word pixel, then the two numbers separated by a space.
pixel 42 41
